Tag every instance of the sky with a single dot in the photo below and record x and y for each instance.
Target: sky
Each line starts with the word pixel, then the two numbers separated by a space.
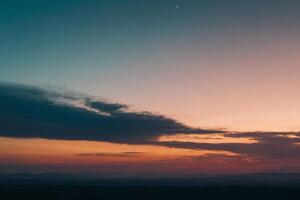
pixel 140 87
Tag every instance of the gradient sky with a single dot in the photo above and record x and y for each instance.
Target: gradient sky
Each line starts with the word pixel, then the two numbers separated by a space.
pixel 212 64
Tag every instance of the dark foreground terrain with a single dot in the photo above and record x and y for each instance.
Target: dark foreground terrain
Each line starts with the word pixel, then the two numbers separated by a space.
pixel 64 192
pixel 85 187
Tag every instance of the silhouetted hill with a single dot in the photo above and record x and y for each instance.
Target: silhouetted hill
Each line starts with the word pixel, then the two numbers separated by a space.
pixel 53 186
pixel 262 179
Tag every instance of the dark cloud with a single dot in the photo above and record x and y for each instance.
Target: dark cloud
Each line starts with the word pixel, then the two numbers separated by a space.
pixel 273 145
pixel 105 107
pixel 122 154
pixel 30 112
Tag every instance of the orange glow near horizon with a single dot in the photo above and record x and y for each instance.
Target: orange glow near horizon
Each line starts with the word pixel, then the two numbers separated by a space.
pixel 55 151
pixel 42 155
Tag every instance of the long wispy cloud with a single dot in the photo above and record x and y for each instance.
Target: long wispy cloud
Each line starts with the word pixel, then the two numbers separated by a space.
pixel 273 145
pixel 30 112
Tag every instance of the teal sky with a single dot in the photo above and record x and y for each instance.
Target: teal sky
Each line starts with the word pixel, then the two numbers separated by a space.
pixel 193 60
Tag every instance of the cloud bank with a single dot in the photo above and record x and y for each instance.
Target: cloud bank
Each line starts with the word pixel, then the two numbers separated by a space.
pixel 30 112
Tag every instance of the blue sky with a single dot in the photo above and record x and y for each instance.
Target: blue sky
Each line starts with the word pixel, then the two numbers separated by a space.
pixel 150 54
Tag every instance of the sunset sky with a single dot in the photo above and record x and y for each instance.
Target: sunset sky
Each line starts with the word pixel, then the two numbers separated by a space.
pixel 150 87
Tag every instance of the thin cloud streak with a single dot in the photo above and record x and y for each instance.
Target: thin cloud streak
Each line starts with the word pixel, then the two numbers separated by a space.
pixel 122 154
pixel 273 145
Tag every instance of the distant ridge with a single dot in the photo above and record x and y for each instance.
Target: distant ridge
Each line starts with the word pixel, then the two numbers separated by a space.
pixel 263 179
